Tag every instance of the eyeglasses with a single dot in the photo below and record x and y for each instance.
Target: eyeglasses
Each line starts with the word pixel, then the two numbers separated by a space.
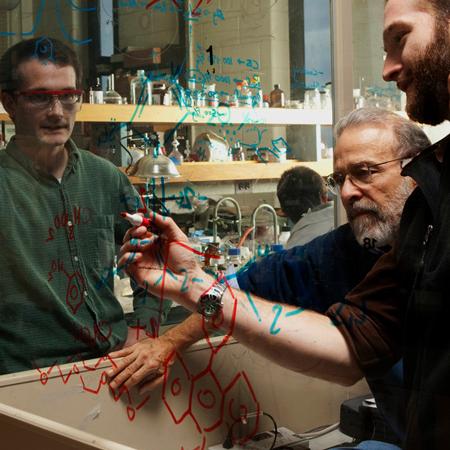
pixel 360 175
pixel 44 99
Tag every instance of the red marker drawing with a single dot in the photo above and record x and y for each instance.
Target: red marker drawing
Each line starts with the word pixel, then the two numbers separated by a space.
pixel 136 219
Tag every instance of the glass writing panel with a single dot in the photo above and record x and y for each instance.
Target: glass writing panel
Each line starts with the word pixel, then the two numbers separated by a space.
pixel 209 73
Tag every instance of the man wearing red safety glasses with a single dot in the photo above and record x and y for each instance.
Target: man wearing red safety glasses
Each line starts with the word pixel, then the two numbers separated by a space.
pixel 59 221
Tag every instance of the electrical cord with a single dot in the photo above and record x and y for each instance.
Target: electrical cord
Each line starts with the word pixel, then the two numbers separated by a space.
pixel 315 434
pixel 275 429
pixel 129 154
pixel 228 442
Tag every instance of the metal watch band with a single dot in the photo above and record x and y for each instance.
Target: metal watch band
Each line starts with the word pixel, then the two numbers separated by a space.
pixel 210 302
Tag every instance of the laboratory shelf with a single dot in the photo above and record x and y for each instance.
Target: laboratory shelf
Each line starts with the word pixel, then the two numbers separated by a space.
pixel 208 172
pixel 157 114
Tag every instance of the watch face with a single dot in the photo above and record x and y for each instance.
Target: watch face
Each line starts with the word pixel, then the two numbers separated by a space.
pixel 209 305
pixel 210 310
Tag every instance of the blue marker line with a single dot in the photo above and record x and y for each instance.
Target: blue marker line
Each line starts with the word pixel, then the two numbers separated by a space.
pixel 252 304
pixel 197 280
pixel 36 23
pixel 158 281
pixel 131 258
pixel 171 274
pixel 277 309
pixel 295 312
pixel 63 28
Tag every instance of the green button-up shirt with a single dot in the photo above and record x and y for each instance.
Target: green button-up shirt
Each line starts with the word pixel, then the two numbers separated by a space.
pixel 57 247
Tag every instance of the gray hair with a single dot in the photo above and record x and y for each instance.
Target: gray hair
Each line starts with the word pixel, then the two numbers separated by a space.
pixel 410 137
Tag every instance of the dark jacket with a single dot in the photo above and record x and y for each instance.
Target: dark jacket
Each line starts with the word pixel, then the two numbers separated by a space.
pixel 405 304
pixel 315 276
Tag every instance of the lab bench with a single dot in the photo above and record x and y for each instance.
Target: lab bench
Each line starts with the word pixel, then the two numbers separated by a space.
pixel 208 387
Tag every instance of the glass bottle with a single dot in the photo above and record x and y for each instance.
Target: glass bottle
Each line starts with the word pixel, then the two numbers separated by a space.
pixel 97 92
pixel 111 96
pixel 175 155
pixel 141 89
pixel 238 152
pixel 277 98
pixel 187 150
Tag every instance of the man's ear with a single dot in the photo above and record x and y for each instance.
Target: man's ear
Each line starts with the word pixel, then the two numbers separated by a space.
pixel 9 104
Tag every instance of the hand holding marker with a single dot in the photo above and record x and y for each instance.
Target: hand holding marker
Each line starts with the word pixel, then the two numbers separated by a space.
pixel 136 219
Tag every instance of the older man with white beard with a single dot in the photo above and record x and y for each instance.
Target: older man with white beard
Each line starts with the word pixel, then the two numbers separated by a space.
pixel 371 143
pixel 402 304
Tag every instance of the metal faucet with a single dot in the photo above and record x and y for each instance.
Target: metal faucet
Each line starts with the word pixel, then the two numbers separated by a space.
pixel 216 216
pixel 275 223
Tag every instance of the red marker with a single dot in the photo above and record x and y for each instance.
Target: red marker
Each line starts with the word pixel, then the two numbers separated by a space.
pixel 136 219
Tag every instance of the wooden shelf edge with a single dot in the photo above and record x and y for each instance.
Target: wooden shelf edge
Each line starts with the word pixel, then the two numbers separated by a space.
pixel 210 172
pixel 157 114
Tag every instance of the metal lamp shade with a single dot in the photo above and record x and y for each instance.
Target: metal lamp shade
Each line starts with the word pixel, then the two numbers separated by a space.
pixel 151 166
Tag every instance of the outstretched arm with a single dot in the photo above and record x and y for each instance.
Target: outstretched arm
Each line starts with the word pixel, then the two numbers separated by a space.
pixel 143 364
pixel 300 340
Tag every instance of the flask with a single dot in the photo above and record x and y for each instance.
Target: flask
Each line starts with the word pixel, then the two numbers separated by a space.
pixel 97 93
pixel 91 95
pixel 277 99
pixel 175 155
pixel 141 89
pixel 187 151
pixel 238 152
pixel 111 96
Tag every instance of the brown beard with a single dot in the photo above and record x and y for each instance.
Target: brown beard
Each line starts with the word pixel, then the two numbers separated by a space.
pixel 429 103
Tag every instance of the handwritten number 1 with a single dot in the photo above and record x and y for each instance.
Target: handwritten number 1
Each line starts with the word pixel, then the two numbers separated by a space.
pixel 211 55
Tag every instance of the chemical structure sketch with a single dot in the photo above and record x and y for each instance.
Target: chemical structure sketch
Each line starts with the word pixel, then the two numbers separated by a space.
pixel 43 50
pixel 203 394
pixel 80 369
pixel 76 287
pixel 200 395
pixel 79 216
pixel 57 10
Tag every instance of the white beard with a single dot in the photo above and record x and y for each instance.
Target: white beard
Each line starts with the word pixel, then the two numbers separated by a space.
pixel 380 226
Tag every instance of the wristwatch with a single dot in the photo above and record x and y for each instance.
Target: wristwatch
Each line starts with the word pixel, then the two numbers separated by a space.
pixel 210 302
